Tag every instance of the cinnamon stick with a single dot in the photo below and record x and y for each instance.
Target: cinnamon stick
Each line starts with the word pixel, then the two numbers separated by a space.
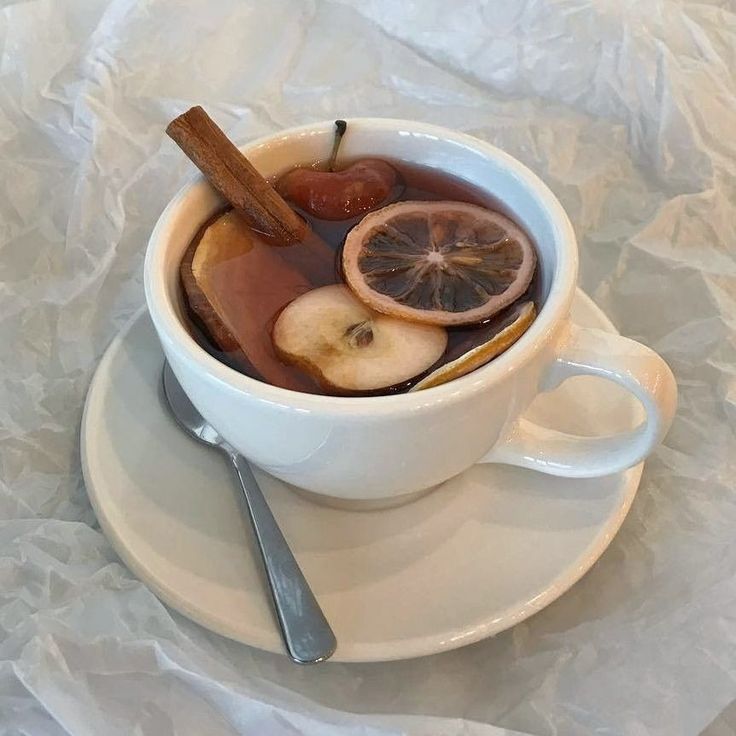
pixel 235 178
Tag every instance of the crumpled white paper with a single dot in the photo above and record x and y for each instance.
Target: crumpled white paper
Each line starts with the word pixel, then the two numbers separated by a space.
pixel 628 112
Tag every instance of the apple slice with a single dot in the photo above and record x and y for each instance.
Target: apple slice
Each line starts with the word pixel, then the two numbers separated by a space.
pixel 348 348
pixel 236 284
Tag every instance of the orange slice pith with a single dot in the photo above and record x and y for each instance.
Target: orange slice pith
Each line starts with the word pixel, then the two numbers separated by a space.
pixel 442 263
pixel 484 353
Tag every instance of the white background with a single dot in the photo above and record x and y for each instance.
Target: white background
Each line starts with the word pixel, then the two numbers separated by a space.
pixel 628 112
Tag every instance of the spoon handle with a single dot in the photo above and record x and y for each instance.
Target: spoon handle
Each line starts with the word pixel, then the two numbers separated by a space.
pixel 306 632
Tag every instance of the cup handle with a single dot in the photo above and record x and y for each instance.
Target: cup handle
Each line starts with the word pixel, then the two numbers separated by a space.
pixel 592 352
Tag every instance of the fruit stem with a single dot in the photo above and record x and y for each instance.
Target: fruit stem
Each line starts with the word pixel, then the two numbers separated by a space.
pixel 340 127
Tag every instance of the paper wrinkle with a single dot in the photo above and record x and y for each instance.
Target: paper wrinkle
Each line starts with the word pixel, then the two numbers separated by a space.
pixel 627 111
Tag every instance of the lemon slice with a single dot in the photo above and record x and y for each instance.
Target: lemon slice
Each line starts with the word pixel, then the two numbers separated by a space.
pixel 484 353
pixel 441 263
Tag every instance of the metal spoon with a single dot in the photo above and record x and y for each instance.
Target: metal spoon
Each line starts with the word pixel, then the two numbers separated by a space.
pixel 306 633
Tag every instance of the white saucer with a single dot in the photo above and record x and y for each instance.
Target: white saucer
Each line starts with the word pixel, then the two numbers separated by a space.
pixel 483 552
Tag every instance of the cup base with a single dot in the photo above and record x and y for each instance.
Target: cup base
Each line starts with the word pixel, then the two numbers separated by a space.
pixel 361 504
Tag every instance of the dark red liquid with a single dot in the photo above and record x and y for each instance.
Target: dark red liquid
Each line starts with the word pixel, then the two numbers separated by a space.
pixel 414 183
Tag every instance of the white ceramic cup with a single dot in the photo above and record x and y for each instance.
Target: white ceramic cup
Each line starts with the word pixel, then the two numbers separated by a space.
pixel 382 447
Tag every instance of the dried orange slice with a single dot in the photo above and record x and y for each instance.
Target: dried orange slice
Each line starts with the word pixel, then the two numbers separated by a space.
pixel 522 318
pixel 441 263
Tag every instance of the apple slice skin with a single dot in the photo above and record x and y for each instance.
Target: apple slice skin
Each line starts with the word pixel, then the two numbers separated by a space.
pixel 236 285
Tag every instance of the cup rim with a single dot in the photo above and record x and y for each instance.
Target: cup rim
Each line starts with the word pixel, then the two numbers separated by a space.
pixel 555 307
